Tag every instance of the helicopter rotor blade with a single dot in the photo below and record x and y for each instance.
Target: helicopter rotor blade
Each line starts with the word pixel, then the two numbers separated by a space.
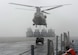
pixel 45 6
pixel 45 12
pixel 25 9
pixel 22 5
pixel 55 7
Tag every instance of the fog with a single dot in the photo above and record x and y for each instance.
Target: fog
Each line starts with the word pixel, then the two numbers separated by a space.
pixel 14 22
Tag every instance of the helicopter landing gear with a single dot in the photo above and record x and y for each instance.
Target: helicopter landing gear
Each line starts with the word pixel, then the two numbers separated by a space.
pixel 33 24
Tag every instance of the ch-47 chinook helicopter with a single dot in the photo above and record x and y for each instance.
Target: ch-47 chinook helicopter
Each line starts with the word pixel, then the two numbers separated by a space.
pixel 39 17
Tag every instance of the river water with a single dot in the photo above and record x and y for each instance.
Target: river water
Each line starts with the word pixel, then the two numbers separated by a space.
pixel 16 46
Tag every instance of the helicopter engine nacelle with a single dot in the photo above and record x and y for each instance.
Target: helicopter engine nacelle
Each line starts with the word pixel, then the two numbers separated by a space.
pixel 45 16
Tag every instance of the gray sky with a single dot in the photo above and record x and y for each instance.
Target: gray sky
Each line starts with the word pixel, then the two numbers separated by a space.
pixel 14 22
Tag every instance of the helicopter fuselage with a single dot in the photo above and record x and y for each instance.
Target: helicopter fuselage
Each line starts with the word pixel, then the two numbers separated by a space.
pixel 39 18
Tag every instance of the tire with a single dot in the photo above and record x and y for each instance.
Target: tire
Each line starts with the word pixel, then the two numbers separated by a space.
pixel 36 42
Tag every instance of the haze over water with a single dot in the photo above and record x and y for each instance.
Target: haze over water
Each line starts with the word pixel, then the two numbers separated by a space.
pixel 14 22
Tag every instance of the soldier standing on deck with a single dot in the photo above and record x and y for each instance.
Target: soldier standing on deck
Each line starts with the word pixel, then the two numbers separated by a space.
pixel 70 50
